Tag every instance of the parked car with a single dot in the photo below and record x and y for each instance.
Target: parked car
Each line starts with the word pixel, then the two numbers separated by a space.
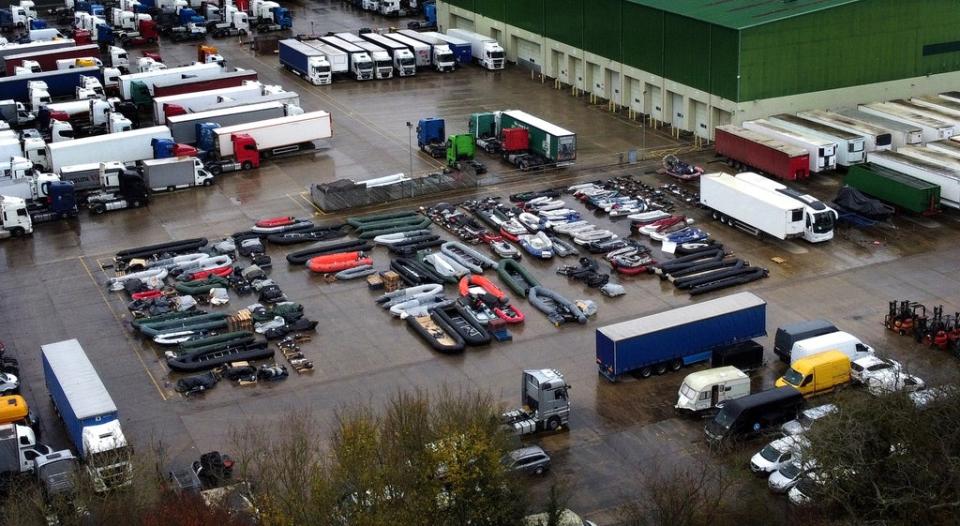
pixel 9 384
pixel 806 419
pixel 777 454
pixel 801 493
pixel 531 459
pixel 567 518
pixel 894 381
pixel 926 397
pixel 862 369
pixel 787 476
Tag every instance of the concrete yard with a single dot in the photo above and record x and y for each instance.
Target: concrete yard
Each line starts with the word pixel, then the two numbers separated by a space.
pixel 52 284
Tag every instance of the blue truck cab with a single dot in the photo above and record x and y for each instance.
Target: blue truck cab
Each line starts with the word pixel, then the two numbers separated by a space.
pixel 431 131
pixel 282 17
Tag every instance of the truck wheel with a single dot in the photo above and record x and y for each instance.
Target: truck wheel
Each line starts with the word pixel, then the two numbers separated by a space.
pixel 247 165
pixel 16 232
pixel 207 182
pixel 646 372
pixel 676 365
pixel 216 169
pixel 98 208
pixel 660 368
pixel 553 423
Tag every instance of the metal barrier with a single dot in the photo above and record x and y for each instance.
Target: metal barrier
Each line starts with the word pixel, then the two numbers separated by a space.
pixel 345 194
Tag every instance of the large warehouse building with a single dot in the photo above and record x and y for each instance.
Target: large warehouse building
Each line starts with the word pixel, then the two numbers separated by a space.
pixel 698 64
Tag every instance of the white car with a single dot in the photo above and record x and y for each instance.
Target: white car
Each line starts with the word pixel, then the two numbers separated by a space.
pixel 928 396
pixel 777 454
pixel 9 384
pixel 892 382
pixel 786 477
pixel 806 419
pixel 801 493
pixel 567 518
pixel 862 369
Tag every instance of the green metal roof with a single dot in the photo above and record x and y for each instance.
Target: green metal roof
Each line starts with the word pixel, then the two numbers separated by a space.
pixel 741 14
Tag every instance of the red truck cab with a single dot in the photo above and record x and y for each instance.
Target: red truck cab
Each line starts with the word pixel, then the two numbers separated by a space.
pixel 245 151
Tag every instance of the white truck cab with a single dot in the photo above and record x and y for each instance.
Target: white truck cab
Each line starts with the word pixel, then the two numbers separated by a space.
pixel 819 219
pixel 107 456
pixel 27 67
pixel 14 219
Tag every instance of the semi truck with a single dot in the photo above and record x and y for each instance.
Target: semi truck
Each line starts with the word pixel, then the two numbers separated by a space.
pixel 947 179
pixel 87 177
pixel 59 83
pixel 682 336
pixel 201 100
pixel 183 128
pixel 358 61
pixel 755 209
pixel 15 220
pixel 555 144
pixel 382 62
pixel 403 60
pixel 17 49
pixel 441 55
pixel 149 78
pixel 901 133
pixel 932 129
pixel 898 189
pixel 822 153
pixel 461 49
pixel 242 146
pixel 850 146
pixel 223 79
pixel 486 51
pixel 15 113
pixel 134 145
pixel 420 50
pixel 305 61
pixel 874 137
pixel 174 173
pixel 545 403
pixel 88 414
pixel 47 58
pixel 772 156
pixel 819 219
pixel 339 62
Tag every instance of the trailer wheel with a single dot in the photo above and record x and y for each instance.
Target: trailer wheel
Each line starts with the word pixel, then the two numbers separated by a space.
pixel 660 368
pixel 676 365
pixel 553 423
pixel 646 372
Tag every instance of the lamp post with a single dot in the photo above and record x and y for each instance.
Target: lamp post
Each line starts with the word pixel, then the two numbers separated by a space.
pixel 410 145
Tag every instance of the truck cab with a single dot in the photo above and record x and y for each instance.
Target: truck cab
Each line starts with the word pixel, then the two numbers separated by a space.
pixel 546 405
pixel 14 219
pixel 19 449
pixel 57 474
pixel 319 71
pixel 405 62
pixel 391 8
pixel 27 67
pixel 493 56
pixel 443 58
pixel 819 219
pixel 107 456
pixel 383 63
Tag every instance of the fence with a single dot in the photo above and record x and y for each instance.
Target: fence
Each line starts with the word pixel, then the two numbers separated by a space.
pixel 344 194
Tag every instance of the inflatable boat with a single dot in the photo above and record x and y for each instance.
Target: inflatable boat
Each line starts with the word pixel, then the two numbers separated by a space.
pixel 412 272
pixel 543 203
pixel 357 221
pixel 418 306
pixel 563 248
pixel 466 256
pixel 169 263
pixel 201 361
pixel 292 226
pixel 512 229
pixel 537 245
pixel 503 249
pixel 419 225
pixel 437 333
pixel 157 274
pixel 305 236
pixel 530 221
pixel 558 309
pixel 170 248
pixel 300 257
pixel 400 237
pixel 516 276
pixel 331 263
pixel 446 266
pixel 356 272
pixel 201 286
pixel 399 296
pixel 466 325
pixel 481 286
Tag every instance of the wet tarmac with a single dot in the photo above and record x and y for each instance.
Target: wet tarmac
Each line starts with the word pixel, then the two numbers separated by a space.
pixel 52 284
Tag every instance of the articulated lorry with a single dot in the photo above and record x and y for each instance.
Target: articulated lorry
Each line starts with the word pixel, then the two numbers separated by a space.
pixel 382 61
pixel 174 173
pixel 201 100
pixel 59 83
pixel 486 50
pixel 358 61
pixel 850 146
pixel 557 146
pixel 129 83
pixel 88 414
pixel 134 145
pixel 682 336
pixel 819 219
pixel 242 146
pixel 461 49
pixel 403 60
pixel 47 59
pixel 184 127
pixel 749 148
pixel 440 53
pixel 305 61
pixel 338 59
pixel 419 50
pixel 822 152
pixel 18 49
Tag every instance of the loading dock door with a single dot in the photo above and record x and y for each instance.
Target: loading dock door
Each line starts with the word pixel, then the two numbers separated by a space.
pixel 576 72
pixel 633 96
pixel 678 115
pixel 460 22
pixel 595 77
pixel 528 54
pixel 557 67
pixel 700 124
pixel 613 87
pixel 656 102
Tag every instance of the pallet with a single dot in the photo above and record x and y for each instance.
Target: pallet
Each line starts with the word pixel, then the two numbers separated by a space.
pixel 242 321
pixel 294 355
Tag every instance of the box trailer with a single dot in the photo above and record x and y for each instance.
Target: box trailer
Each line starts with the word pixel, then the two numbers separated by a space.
pixel 403 59
pixel 850 146
pixel 382 61
pixel 933 129
pixel 421 50
pixel 339 62
pixel 305 61
pixel 937 157
pixel 225 79
pixel 942 113
pixel 875 137
pixel 277 136
pixel 750 207
pixel 441 55
pixel 486 50
pixel 60 83
pixel 149 78
pixel 86 177
pixel 953 96
pixel 901 133
pixel 174 173
pixel 769 155
pixel 823 153
pixel 818 218
pixel 201 100
pixel 129 146
pixel 47 58
pixel 678 337
pixel 358 60
pixel 183 128
pixel 557 145
pixel 898 189
pixel 88 412
pixel 939 104
pixel 947 179
pixel 462 50
pixel 31 47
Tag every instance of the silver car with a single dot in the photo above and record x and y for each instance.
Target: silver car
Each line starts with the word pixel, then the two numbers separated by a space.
pixel 807 418
pixel 532 459
pixel 863 369
pixel 9 384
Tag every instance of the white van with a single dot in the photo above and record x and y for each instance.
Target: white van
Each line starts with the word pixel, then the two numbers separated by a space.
pixel 704 390
pixel 835 341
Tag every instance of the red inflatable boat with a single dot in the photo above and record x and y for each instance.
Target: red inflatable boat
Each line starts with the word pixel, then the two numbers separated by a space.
pixel 336 262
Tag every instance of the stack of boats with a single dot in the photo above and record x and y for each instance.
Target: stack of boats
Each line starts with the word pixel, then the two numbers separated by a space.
pixel 706 269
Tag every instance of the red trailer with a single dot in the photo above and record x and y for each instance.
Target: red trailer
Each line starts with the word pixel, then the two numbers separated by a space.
pixel 48 58
pixel 191 85
pixel 762 153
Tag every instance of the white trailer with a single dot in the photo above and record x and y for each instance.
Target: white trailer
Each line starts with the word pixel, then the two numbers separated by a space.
pixel 486 50
pixel 940 104
pixel 149 78
pixel 421 50
pixel 875 137
pixel 953 96
pixel 200 100
pixel 933 129
pixel 129 146
pixel 174 173
pixel 940 113
pixel 440 53
pixel 822 152
pixel 382 62
pixel 819 219
pixel 277 136
pixel 403 59
pixel 901 133
pixel 951 148
pixel 947 179
pixel 753 209
pixel 361 65
pixel 339 62
pixel 932 155
pixel 850 146
pixel 183 128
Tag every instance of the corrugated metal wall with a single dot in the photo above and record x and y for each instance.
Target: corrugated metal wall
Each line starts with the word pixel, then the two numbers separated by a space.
pixel 850 45
pixel 643 41
pixel 601 28
pixel 564 22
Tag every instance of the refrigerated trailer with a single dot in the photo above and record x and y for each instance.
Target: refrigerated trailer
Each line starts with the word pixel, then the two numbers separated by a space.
pixel 304 61
pixel 901 133
pixel 421 50
pixel 758 151
pixel 462 49
pixel 951 148
pixel 486 50
pixel 382 61
pixel 680 336
pixel 224 79
pixel 822 152
pixel 403 59
pixel 201 100
pixel 557 145
pixel 875 137
pixel 939 104
pixel 277 136
pixel 936 157
pixel 149 78
pixel 339 62
pixel 947 179
pixel 129 146
pixel 933 129
pixel 359 62
pixel 850 146
pixel 944 114
pixel 183 128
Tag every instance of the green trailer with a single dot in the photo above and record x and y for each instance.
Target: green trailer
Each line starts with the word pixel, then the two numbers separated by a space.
pixel 903 191
pixel 483 125
pixel 557 145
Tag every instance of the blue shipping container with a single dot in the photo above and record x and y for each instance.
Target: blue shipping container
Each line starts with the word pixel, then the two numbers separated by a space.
pixel 76 389
pixel 680 336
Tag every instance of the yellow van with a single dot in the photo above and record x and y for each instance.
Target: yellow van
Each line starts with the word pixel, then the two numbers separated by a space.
pixel 13 409
pixel 818 373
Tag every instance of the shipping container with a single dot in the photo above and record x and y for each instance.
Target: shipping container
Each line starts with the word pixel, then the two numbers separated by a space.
pixel 850 146
pixel 226 79
pixel 948 180
pixel 900 190
pixel 875 137
pixel 823 153
pixel 183 128
pixel 556 144
pixel 678 337
pixel 901 133
pixel 47 58
pixel 933 129
pixel 769 155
